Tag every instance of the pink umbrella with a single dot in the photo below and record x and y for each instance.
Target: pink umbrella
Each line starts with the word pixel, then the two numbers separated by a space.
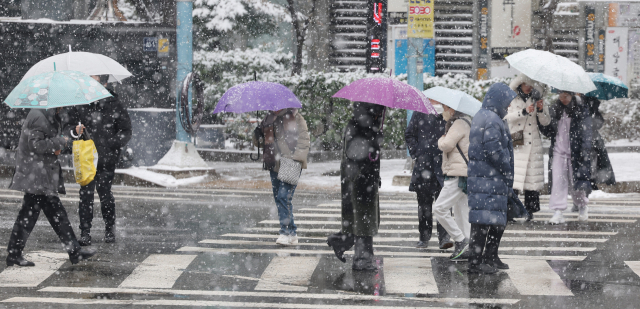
pixel 387 92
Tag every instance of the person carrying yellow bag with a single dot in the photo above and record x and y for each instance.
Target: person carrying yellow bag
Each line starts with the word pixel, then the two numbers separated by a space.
pixel 85 159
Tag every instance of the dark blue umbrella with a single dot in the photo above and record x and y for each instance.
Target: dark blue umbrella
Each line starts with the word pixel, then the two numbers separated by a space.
pixel 609 87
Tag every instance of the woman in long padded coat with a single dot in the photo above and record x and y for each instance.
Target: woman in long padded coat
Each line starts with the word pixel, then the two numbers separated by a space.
pixel 524 115
pixel 360 177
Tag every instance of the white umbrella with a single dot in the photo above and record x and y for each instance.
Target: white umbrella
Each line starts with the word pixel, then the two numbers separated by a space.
pixel 88 63
pixel 455 99
pixel 556 71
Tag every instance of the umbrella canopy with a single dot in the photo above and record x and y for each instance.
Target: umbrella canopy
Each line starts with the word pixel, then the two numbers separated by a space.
pixel 455 99
pixel 387 92
pixel 609 87
pixel 556 71
pixel 56 89
pixel 87 63
pixel 257 96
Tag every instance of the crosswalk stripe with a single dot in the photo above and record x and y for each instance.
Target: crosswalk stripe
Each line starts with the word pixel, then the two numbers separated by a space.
pixel 47 263
pixel 378 253
pixel 395 215
pixel 536 278
pixel 409 276
pixel 386 231
pixel 288 273
pixel 396 223
pixel 158 271
pixel 185 303
pixel 341 296
pixel 435 248
pixel 634 265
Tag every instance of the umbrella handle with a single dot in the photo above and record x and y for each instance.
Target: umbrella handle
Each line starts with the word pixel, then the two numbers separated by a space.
pixel 257 158
pixel 374 159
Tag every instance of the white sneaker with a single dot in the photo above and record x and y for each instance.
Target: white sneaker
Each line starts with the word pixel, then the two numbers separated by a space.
pixel 283 240
pixel 293 240
pixel 557 218
pixel 583 215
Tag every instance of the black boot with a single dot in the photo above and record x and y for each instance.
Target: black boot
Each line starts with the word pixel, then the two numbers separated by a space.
pixel 82 254
pixel 85 238
pixel 110 234
pixel 363 257
pixel 496 262
pixel 340 243
pixel 18 260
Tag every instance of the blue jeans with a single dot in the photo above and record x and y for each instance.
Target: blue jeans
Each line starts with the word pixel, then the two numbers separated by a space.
pixel 283 194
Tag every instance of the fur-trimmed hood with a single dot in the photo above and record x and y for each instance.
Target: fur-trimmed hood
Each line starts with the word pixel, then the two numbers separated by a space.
pixel 524 79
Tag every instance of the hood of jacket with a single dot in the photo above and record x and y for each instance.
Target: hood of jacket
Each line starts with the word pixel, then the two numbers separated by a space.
pixel 498 99
pixel 524 79
pixel 368 115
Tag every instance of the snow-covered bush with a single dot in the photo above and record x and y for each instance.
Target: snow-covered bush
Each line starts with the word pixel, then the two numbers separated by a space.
pixel 622 117
pixel 326 117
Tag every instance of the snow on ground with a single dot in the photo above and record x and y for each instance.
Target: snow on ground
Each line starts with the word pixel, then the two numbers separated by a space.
pixel 623 143
pixel 326 175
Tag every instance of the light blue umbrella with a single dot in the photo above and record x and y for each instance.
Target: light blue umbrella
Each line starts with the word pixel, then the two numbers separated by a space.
pixel 56 89
pixel 455 99
pixel 609 87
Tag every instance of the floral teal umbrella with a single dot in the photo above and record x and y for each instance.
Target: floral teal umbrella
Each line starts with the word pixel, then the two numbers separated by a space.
pixel 56 89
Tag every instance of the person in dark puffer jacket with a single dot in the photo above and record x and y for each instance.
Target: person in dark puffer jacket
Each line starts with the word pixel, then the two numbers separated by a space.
pixel 490 179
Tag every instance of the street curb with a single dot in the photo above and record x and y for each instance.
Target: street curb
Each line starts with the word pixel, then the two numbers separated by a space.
pixel 619 187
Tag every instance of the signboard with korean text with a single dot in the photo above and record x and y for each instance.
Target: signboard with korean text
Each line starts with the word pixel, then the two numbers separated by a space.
pixel 484 57
pixel 421 19
pixel 615 62
pixel 511 24
pixel 624 14
pixel 590 38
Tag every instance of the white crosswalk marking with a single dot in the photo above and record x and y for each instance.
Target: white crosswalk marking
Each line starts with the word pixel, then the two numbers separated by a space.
pixel 415 231
pixel 535 278
pixel 400 223
pixel 47 263
pixel 634 265
pixel 409 276
pixel 158 271
pixel 290 273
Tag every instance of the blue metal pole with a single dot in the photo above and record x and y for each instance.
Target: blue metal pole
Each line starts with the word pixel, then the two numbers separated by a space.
pixel 414 78
pixel 184 44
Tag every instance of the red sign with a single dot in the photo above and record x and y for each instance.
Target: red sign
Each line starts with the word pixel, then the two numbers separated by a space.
pixel 377 13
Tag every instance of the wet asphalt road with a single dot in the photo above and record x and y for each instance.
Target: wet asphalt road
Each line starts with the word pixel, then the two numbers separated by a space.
pixel 215 248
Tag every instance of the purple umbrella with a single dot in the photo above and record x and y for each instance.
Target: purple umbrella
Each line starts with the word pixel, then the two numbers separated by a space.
pixel 256 96
pixel 387 92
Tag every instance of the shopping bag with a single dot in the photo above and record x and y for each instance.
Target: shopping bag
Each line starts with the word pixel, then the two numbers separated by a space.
pixel 85 161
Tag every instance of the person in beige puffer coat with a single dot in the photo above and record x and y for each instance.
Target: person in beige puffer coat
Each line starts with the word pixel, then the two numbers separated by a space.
pixel 524 115
pixel 454 168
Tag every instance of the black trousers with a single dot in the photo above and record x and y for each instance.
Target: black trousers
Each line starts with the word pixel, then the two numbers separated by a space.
pixel 426 198
pixel 28 216
pixel 102 183
pixel 531 200
pixel 484 238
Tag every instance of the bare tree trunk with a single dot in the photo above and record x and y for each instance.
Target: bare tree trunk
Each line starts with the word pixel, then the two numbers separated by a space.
pixel 300 32
pixel 548 9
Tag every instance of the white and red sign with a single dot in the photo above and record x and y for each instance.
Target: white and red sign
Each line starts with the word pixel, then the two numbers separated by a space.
pixel 615 53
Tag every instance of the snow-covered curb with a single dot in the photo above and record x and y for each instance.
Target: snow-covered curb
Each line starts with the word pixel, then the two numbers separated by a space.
pixel 159 179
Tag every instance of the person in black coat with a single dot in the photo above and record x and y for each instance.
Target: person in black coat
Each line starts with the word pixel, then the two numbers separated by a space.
pixel 570 132
pixel 38 174
pixel 108 124
pixel 360 181
pixel 601 169
pixel 421 137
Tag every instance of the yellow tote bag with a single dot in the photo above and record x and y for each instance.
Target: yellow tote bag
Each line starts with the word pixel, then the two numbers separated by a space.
pixel 85 161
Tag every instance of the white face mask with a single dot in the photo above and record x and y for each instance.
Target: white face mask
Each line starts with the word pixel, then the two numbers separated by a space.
pixel 438 108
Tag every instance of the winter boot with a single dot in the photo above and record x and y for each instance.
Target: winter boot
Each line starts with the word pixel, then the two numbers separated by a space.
pixel 110 234
pixel 82 254
pixel 583 214
pixel 340 243
pixel 85 238
pixel 496 262
pixel 363 257
pixel 18 260
pixel 481 269
pixel 557 218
